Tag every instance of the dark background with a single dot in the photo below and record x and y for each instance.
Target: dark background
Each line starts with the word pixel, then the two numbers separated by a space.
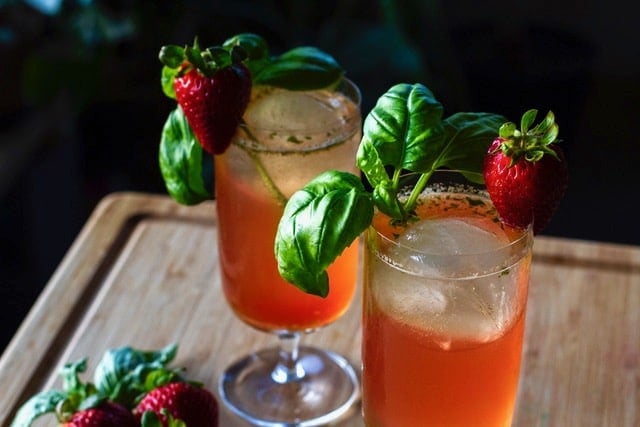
pixel 81 107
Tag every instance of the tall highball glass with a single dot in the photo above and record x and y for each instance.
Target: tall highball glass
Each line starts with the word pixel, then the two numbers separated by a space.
pixel 287 138
pixel 444 311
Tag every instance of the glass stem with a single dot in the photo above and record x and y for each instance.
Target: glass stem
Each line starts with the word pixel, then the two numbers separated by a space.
pixel 288 369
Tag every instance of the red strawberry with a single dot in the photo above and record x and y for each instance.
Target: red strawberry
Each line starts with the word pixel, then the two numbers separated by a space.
pixel 194 405
pixel 108 414
pixel 526 176
pixel 213 88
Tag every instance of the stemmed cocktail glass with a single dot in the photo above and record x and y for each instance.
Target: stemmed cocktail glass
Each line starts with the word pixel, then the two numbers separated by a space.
pixel 287 138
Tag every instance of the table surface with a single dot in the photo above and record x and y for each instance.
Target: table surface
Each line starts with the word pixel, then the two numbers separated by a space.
pixel 143 272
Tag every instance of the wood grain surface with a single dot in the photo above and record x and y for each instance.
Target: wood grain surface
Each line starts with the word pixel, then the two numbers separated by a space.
pixel 143 272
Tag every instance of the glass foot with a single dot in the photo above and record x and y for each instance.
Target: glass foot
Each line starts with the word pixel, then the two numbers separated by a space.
pixel 321 387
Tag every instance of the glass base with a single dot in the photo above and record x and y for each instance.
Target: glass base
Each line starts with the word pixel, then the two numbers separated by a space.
pixel 321 389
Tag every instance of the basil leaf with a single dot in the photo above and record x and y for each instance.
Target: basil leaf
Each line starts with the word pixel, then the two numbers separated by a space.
pixel 38 405
pixel 166 81
pixel 117 363
pixel 180 157
pixel 122 372
pixel 319 222
pixel 255 46
pixel 301 68
pixel 404 129
pixel 403 132
pixel 386 200
pixel 468 137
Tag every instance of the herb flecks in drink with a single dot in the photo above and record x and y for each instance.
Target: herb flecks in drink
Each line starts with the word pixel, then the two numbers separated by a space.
pixel 211 87
pixel 404 133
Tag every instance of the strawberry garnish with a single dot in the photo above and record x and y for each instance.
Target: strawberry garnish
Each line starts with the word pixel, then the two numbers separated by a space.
pixel 179 401
pixel 526 173
pixel 212 87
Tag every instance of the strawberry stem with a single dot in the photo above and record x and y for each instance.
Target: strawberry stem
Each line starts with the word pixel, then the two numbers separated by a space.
pixel 530 143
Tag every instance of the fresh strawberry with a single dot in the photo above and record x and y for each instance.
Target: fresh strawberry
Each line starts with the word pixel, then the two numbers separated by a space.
pixel 525 173
pixel 213 88
pixel 193 405
pixel 108 414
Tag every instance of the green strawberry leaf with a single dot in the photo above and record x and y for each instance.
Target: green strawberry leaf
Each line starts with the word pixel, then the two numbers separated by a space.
pixel 151 419
pixel 181 161
pixel 319 222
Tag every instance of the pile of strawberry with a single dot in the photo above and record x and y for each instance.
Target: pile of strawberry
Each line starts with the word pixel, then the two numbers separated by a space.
pixel 131 388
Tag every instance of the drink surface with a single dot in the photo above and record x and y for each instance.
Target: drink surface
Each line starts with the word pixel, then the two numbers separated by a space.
pixel 442 334
pixel 294 136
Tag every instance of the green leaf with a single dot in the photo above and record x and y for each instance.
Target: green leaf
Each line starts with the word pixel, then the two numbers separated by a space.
pixel 181 161
pixel 385 199
pixel 254 45
pixel 166 81
pixel 318 223
pixel 172 56
pixel 38 405
pixel 150 419
pixel 121 372
pixel 403 132
pixel 404 129
pixel 71 375
pixel 77 391
pixel 301 68
pixel 527 120
pixel 467 139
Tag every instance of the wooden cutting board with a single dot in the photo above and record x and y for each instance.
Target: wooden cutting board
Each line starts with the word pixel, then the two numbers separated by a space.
pixel 143 272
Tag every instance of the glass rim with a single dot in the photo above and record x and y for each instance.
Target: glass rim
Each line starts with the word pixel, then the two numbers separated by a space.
pixel 525 235
pixel 346 86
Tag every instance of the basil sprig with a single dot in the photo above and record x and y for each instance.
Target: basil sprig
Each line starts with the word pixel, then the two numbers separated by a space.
pixel 180 156
pixel 181 161
pixel 405 132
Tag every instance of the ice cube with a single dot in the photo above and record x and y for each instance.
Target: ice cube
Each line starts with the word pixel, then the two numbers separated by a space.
pixel 425 248
pixel 448 236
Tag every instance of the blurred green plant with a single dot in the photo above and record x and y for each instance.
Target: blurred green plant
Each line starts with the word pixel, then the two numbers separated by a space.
pixel 72 43
pixel 62 45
